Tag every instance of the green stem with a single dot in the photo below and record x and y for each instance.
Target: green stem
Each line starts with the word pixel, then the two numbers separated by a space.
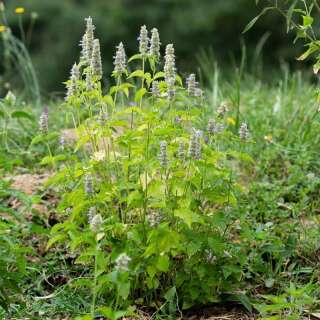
pixel 142 81
pixel 51 156
pixel 23 36
pixel 94 291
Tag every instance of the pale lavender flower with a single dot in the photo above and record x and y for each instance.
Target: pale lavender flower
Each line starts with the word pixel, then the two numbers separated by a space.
pixel 43 121
pixel 212 127
pixel 210 257
pixel 91 213
pixel 198 93
pixel 96 223
pixel 122 262
pixel 120 60
pixel 84 55
pixel 143 40
pixel 191 84
pixel 75 72
pixel 222 110
pixel 154 218
pixel 72 86
pixel 163 156
pixel 177 119
pixel 89 81
pixel 89 38
pixel 195 145
pixel 62 142
pixel 96 64
pixel 170 65
pixel 244 131
pixel 154 49
pixel 155 88
pixel 88 184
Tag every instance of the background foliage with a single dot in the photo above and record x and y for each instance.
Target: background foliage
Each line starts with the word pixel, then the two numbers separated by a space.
pixel 191 25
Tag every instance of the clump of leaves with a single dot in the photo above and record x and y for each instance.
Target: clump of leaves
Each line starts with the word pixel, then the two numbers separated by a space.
pixel 300 17
pixel 292 304
pixel 149 199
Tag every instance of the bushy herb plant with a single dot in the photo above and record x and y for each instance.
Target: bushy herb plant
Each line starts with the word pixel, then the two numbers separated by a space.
pixel 149 199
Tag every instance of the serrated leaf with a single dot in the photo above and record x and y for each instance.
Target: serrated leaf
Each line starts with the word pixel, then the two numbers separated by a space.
pixel 135 57
pixel 137 74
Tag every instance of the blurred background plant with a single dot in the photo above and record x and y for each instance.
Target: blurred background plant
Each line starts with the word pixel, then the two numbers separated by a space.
pixel 210 26
pixel 17 67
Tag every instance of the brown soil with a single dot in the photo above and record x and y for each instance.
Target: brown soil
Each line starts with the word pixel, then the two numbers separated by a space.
pixel 29 183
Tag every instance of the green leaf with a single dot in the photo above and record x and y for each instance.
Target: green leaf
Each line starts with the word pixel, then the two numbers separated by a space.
pixel 54 239
pixel 139 94
pixel 135 57
pixel 289 14
pixel 170 294
pixel 312 48
pixel 52 160
pixel 307 21
pixel 243 299
pixel 22 114
pixel 124 289
pixel 158 75
pixel 136 73
pixel 255 19
pixel 163 263
pixel 45 137
pixel 187 216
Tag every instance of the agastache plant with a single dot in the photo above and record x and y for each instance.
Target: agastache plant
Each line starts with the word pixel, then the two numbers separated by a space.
pixel 148 209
